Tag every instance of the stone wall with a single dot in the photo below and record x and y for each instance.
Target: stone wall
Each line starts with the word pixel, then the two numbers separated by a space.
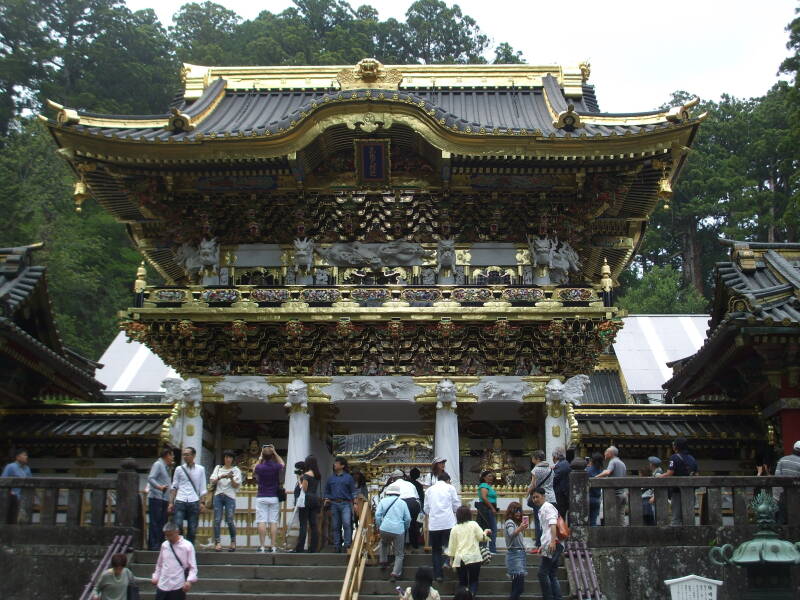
pixel 51 563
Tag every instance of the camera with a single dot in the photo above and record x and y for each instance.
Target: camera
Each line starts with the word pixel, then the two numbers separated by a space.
pixel 298 471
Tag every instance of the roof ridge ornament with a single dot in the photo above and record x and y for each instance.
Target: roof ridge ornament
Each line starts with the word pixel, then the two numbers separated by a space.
pixel 369 73
pixel 568 120
pixel 179 122
pixel 681 114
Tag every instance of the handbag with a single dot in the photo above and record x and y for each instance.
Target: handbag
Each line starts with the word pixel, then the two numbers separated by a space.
pixel 486 554
pixel 132 592
pixel 562 529
pixel 281 494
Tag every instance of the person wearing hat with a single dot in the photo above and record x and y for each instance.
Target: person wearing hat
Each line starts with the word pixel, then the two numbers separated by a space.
pixel 409 494
pixel 392 519
pixel 788 466
pixel 681 464
pixel 648 496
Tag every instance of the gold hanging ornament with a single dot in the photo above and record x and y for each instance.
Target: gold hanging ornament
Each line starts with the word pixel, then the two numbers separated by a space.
pixel 606 283
pixel 79 194
pixel 141 279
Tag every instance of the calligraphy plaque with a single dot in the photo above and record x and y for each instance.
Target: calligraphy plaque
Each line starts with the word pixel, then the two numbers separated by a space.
pixel 372 162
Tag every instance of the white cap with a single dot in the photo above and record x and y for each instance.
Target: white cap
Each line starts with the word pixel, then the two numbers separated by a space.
pixel 392 490
pixel 797 445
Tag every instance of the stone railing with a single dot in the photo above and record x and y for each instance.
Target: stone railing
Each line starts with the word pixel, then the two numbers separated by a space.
pixel 712 508
pixel 351 295
pixel 75 501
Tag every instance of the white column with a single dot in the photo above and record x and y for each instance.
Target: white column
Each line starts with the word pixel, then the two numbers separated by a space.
pixel 555 428
pixel 445 442
pixel 299 443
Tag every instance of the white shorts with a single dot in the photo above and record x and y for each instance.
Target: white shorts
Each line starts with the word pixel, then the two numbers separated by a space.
pixel 267 509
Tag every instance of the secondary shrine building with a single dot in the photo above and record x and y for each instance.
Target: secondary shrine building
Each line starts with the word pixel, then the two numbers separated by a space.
pixel 421 258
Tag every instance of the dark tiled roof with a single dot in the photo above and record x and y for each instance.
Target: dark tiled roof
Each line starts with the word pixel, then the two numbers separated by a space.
pixel 604 387
pixel 84 422
pixel 758 287
pixel 521 111
pixel 665 423
pixel 358 443
pixel 23 285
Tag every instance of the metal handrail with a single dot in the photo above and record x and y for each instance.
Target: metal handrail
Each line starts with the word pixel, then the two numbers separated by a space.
pixel 359 554
pixel 580 570
pixel 120 543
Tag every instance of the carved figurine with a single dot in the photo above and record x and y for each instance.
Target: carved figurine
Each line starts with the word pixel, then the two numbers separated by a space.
pixel 248 390
pixel 351 254
pixel 445 255
pixel 401 253
pixel 428 277
pixel 249 460
pixel 571 391
pixel 296 394
pixel 303 254
pixel 199 261
pixel 565 262
pixel 446 394
pixel 188 392
pixel 499 462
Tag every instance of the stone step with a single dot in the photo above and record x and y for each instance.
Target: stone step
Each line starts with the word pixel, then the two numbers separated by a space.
pixel 528 595
pixel 249 557
pixel 271 572
pixel 298 587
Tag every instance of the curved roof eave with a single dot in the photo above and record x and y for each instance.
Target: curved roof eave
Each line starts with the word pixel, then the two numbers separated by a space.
pixel 184 148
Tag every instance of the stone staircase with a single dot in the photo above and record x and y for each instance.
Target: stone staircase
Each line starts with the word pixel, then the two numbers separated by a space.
pixel 247 575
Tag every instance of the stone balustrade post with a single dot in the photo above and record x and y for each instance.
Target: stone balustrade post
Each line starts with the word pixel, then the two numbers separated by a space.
pixel 127 510
pixel 579 500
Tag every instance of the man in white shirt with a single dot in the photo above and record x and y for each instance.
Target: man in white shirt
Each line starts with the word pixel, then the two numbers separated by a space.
pixel 551 547
pixel 176 567
pixel 187 498
pixel 441 504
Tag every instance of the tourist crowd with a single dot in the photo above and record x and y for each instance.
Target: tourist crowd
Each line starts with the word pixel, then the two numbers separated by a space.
pixel 177 496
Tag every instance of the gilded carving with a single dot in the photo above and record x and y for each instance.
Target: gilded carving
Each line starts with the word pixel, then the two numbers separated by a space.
pixel 369 73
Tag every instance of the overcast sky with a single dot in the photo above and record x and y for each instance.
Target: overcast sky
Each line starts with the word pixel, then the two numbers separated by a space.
pixel 639 51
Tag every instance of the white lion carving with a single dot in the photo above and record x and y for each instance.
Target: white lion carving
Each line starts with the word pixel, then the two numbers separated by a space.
pixel 178 390
pixel 445 255
pixel 204 258
pixel 446 394
pixel 303 254
pixel 571 391
pixel 296 394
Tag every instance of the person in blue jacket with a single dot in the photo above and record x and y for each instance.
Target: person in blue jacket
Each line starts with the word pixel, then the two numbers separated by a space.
pixel 392 519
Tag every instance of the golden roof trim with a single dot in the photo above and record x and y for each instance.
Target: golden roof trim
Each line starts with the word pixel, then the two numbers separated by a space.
pixel 287 77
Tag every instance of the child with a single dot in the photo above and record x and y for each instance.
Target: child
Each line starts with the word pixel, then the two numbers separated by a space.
pixel 421 590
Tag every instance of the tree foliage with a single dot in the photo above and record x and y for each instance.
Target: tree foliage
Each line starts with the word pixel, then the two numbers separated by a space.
pixel 662 291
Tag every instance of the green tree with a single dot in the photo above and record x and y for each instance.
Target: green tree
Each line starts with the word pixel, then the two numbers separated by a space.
pixel 661 291
pixel 90 260
pixel 205 33
pixel 437 33
pixel 504 54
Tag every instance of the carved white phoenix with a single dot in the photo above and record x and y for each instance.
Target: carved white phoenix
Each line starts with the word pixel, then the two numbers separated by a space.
pixel 571 391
